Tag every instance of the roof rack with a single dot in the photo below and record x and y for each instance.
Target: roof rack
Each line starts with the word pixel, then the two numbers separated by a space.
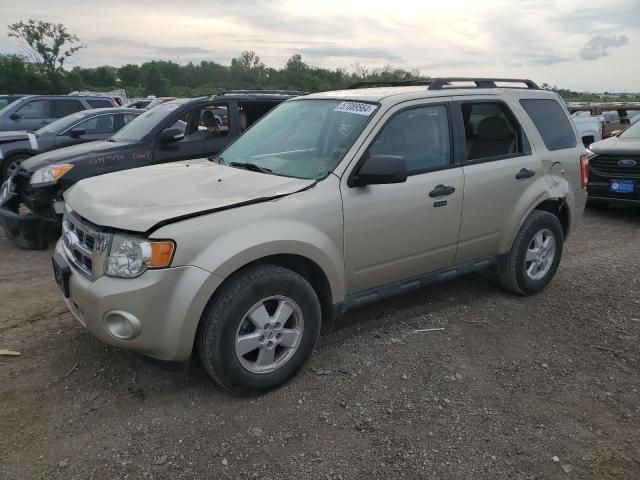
pixel 441 83
pixel 390 83
pixel 258 92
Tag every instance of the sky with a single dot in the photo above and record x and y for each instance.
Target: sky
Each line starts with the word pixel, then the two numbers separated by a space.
pixel 576 44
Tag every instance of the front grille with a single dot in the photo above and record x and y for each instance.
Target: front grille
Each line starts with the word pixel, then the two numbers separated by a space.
pixel 84 245
pixel 608 166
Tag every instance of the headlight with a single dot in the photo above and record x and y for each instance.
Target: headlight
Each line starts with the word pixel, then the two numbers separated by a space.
pixel 49 175
pixel 131 256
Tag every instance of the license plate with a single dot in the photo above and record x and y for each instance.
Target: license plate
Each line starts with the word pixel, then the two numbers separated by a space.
pixel 621 186
pixel 61 273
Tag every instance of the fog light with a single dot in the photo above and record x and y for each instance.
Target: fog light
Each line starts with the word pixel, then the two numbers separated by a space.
pixel 122 325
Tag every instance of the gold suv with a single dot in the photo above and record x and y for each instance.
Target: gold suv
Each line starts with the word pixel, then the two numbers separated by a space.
pixel 331 201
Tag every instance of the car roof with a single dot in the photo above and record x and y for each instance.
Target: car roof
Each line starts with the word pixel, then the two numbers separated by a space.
pixel 62 97
pixel 94 111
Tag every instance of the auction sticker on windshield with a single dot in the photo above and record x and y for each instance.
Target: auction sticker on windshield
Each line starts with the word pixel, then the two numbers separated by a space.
pixel 356 107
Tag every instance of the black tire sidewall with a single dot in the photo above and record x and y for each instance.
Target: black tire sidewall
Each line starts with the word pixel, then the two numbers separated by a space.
pixel 541 221
pixel 221 325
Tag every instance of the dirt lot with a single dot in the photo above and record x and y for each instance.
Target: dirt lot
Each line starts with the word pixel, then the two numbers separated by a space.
pixel 509 384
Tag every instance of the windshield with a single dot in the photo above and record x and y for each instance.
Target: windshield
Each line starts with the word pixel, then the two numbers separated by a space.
pixel 140 127
pixel 302 138
pixel 632 133
pixel 61 124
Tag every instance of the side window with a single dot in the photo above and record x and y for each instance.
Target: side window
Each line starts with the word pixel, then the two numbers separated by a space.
pixel 420 135
pixel 129 116
pixel 62 108
pixel 97 125
pixel 250 112
pixel 491 130
pixel 100 103
pixel 549 118
pixel 35 109
pixel 201 123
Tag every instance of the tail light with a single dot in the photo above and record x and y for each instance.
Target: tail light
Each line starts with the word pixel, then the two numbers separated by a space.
pixel 584 169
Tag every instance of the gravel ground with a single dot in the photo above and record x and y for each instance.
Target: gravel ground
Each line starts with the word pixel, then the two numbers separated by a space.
pixel 538 387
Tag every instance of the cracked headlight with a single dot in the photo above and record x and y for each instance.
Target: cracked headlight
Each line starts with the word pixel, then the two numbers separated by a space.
pixel 131 256
pixel 49 175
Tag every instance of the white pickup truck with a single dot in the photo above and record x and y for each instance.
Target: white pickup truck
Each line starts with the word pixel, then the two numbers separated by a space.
pixel 590 128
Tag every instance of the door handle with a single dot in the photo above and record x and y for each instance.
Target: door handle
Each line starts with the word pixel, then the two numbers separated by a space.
pixel 44 122
pixel 525 173
pixel 441 191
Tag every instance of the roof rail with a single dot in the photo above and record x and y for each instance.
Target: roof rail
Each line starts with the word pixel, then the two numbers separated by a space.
pixel 389 83
pixel 258 92
pixel 441 83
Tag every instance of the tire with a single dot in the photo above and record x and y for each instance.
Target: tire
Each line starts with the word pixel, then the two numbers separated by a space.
pixel 226 319
pixel 10 162
pixel 521 276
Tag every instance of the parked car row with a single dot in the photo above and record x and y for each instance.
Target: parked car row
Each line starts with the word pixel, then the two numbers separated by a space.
pixel 175 130
pixel 239 237
pixel 330 201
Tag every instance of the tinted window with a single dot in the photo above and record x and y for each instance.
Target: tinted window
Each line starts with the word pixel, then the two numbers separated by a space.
pixel 99 124
pixel 491 130
pixel 62 108
pixel 201 123
pixel 420 135
pixel 100 103
pixel 552 123
pixel 3 102
pixel 35 109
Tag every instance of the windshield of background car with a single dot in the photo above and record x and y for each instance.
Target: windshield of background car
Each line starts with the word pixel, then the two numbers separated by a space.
pixel 140 127
pixel 61 124
pixel 632 133
pixel 302 138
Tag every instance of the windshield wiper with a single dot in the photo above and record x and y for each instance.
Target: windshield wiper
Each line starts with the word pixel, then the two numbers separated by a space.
pixel 250 166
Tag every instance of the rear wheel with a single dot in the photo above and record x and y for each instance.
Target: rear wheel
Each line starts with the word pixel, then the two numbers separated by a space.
pixel 535 254
pixel 260 329
pixel 11 164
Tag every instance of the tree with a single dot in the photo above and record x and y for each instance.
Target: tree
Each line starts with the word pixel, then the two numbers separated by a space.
pixel 46 44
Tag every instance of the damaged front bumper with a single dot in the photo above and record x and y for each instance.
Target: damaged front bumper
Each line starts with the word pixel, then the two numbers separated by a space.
pixel 25 228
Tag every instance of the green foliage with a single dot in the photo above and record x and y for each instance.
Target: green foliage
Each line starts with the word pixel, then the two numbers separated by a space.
pixel 47 45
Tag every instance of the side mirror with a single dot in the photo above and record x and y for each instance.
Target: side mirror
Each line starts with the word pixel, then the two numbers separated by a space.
pixel 381 170
pixel 14 116
pixel 614 133
pixel 76 132
pixel 171 135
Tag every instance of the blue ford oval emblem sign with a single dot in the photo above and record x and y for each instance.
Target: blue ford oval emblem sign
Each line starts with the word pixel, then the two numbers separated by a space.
pixel 627 162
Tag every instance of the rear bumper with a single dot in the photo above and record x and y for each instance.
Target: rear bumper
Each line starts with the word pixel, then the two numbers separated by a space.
pixel 26 230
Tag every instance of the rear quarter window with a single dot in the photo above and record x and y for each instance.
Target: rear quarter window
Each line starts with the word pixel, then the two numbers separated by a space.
pixel 551 121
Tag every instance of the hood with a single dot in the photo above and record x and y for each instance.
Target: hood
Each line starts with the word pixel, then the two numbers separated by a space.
pixel 73 154
pixel 142 199
pixel 616 146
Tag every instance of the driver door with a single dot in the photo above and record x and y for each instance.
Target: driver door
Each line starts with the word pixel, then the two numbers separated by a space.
pixel 399 231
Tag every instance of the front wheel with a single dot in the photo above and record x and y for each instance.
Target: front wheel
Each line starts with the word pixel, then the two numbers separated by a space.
pixel 11 165
pixel 259 330
pixel 535 254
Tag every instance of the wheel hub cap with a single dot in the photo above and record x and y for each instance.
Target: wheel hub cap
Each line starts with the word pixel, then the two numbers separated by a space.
pixel 540 254
pixel 269 334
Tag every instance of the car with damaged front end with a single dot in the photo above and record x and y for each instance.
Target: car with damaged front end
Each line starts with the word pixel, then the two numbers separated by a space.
pixel 32 202
pixel 333 200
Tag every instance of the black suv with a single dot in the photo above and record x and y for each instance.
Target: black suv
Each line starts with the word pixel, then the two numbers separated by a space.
pixel 31 200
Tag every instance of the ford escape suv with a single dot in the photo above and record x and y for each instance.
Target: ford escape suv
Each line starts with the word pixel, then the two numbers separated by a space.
pixel 331 201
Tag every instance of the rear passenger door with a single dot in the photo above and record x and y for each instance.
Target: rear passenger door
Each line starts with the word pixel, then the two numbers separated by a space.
pixel 498 168
pixel 399 231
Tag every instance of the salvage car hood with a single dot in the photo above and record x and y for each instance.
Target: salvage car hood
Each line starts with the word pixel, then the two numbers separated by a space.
pixel 143 199
pixel 72 154
pixel 616 146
